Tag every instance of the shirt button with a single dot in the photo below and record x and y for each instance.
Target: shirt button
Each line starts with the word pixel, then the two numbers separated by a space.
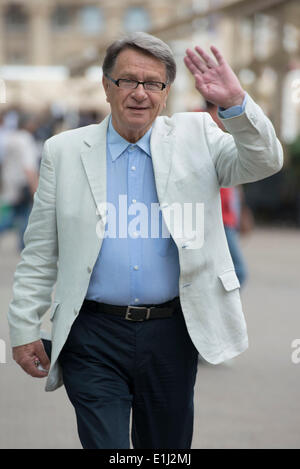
pixel 131 148
pixel 136 267
pixel 133 168
pixel 89 270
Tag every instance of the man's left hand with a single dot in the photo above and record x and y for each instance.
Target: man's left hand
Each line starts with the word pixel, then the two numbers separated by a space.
pixel 215 80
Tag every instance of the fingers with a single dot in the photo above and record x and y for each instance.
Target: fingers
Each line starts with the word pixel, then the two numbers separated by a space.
pixel 199 82
pixel 207 59
pixel 197 75
pixel 29 367
pixel 28 356
pixel 190 65
pixel 204 63
pixel 218 55
pixel 42 356
pixel 197 63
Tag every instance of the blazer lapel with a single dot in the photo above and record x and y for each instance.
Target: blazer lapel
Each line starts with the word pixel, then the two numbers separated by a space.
pixel 162 148
pixel 93 157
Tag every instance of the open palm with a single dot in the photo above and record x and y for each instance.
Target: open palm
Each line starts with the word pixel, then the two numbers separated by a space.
pixel 215 80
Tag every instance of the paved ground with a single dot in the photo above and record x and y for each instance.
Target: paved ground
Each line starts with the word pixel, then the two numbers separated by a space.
pixel 249 402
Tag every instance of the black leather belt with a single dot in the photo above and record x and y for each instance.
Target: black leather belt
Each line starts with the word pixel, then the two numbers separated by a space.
pixel 135 313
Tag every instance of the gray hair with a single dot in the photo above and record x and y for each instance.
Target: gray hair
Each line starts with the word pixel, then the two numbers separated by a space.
pixel 147 44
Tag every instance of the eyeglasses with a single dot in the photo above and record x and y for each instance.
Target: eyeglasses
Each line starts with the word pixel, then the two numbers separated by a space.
pixel 127 84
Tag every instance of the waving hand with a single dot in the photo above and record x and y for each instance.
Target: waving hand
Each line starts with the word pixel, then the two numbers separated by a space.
pixel 214 79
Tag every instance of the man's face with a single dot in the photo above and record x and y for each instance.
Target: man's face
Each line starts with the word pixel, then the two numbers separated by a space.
pixel 133 111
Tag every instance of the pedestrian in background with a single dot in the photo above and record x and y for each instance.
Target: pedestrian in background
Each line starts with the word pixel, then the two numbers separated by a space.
pixel 19 176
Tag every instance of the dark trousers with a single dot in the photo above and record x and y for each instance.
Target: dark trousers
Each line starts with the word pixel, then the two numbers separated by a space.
pixel 111 365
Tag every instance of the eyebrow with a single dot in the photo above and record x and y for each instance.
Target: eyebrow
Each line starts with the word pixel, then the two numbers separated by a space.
pixel 129 76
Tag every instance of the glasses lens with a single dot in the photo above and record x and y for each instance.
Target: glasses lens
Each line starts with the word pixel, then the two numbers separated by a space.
pixel 153 86
pixel 127 84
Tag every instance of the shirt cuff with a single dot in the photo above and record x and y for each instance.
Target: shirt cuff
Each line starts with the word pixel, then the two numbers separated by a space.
pixel 232 111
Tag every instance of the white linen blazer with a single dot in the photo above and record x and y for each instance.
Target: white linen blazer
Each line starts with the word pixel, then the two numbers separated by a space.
pixel 192 158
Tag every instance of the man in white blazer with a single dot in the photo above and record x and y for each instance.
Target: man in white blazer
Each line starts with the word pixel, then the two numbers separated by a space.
pixel 132 312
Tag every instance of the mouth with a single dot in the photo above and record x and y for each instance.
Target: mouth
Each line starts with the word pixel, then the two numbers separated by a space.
pixel 136 108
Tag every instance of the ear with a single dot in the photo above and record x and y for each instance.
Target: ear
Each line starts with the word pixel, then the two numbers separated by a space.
pixel 166 95
pixel 105 84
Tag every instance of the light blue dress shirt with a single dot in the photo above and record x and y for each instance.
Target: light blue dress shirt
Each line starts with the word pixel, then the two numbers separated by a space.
pixel 233 111
pixel 132 267
pixel 133 270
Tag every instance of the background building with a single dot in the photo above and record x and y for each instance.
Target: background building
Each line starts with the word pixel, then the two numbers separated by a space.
pixel 51 53
pixel 42 43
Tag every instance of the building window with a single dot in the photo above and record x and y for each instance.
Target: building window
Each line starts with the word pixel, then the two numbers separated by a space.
pixel 62 18
pixel 16 57
pixel 16 18
pixel 91 20
pixel 136 19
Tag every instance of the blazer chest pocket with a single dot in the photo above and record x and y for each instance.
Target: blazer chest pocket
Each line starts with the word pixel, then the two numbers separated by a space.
pixel 53 310
pixel 229 280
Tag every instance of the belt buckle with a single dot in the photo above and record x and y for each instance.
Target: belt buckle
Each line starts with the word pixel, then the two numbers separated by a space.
pixel 137 307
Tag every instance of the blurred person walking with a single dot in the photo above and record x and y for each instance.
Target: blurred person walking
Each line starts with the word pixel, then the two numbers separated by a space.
pixel 19 176
pixel 230 213
pixel 131 313
pixel 4 131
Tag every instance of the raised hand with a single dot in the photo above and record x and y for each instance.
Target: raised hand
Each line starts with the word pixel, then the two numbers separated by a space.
pixel 215 80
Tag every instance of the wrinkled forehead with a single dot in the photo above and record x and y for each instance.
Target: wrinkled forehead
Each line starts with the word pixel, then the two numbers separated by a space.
pixel 130 60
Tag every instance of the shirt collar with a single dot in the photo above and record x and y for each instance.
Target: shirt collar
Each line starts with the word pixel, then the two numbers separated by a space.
pixel 118 144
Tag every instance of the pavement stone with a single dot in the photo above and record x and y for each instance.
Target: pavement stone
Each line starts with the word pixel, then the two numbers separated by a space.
pixel 251 401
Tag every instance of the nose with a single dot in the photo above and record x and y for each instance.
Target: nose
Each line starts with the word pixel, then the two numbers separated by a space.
pixel 139 92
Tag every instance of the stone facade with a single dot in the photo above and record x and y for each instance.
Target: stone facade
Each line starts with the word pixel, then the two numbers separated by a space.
pixel 52 32
pixel 259 38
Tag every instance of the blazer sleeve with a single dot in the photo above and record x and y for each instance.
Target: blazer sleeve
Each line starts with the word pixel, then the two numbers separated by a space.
pixel 249 152
pixel 37 270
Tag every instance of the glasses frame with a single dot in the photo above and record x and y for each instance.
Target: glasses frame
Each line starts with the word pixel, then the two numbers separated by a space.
pixel 117 83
